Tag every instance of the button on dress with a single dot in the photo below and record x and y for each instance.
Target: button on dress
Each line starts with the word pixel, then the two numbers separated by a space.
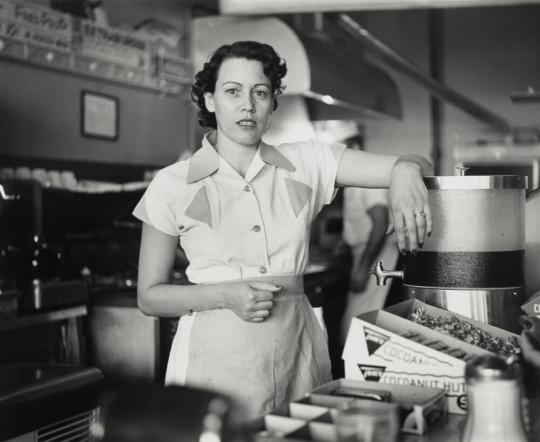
pixel 257 228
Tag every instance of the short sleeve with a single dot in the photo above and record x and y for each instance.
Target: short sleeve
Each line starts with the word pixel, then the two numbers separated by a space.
pixel 327 157
pixel 157 205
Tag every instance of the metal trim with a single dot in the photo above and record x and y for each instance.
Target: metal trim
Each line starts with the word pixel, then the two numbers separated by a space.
pixel 415 290
pixel 476 182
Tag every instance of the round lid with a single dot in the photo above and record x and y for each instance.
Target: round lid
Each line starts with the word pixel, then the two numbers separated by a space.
pixel 491 368
pixel 476 182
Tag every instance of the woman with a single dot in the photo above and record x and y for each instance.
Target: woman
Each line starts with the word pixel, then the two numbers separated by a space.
pixel 242 211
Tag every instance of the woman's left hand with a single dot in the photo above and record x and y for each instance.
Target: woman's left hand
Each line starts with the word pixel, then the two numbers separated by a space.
pixel 410 206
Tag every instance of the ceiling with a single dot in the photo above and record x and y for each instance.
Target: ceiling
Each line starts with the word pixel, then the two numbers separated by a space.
pixel 254 7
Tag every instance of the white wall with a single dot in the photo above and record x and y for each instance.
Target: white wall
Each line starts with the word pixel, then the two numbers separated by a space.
pixel 489 53
pixel 407 32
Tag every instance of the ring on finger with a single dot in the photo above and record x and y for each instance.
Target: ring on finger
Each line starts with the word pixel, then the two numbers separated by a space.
pixel 420 213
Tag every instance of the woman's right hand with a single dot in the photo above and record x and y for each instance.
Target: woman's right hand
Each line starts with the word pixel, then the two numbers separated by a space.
pixel 250 300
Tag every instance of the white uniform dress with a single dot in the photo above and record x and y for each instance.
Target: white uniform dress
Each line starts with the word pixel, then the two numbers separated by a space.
pixel 252 228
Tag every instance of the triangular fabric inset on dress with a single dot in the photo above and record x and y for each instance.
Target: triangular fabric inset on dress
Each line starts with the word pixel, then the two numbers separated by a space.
pixel 299 194
pixel 199 209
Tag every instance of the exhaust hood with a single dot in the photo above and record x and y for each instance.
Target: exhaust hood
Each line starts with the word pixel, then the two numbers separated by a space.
pixel 336 84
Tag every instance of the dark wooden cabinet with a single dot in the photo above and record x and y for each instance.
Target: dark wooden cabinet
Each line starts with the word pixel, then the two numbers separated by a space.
pixel 49 337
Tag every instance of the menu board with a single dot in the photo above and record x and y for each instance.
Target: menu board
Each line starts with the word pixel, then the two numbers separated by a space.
pixel 44 36
pixel 35 24
pixel 115 45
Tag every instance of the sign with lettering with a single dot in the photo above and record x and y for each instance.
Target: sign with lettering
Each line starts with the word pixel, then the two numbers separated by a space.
pixel 6 10
pixel 395 373
pixel 115 45
pixel 532 306
pixel 35 24
pixel 43 36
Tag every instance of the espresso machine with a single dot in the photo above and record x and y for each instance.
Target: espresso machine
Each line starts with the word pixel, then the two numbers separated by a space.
pixel 31 239
pixel 473 263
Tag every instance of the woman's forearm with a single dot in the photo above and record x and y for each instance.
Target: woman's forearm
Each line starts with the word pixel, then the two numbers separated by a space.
pixel 425 166
pixel 367 169
pixel 249 300
pixel 169 300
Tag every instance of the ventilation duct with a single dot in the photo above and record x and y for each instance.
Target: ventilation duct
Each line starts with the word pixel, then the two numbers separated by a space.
pixel 337 84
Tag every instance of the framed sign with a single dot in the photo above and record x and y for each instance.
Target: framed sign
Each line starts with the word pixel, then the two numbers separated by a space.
pixel 99 115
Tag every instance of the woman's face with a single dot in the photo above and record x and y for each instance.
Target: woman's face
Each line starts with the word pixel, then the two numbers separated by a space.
pixel 242 101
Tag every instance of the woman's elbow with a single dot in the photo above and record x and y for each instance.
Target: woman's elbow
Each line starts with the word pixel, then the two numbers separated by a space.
pixel 143 301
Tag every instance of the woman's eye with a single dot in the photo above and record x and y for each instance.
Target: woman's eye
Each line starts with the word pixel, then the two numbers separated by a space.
pixel 261 94
pixel 231 91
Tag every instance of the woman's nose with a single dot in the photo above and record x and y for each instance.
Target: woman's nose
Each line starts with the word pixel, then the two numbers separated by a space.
pixel 248 105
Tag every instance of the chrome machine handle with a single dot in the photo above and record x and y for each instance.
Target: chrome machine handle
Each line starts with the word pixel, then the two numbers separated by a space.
pixel 382 275
pixel 5 196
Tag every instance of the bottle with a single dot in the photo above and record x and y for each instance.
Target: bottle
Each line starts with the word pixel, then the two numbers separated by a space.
pixel 45 260
pixel 495 400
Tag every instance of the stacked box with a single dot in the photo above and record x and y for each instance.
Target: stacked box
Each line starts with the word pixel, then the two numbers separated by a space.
pixel 532 306
pixel 385 347
pixel 313 417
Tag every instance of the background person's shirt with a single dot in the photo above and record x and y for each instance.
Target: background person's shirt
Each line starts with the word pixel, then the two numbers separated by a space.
pixel 357 224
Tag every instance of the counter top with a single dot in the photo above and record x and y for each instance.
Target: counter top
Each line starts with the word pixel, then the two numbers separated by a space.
pixel 42 317
pixel 450 430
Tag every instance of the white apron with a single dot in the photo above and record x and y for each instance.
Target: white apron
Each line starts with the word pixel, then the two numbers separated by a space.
pixel 261 366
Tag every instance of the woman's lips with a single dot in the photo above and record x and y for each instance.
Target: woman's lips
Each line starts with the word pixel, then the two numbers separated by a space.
pixel 247 123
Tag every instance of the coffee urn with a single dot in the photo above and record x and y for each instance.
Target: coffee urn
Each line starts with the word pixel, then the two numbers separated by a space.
pixel 473 263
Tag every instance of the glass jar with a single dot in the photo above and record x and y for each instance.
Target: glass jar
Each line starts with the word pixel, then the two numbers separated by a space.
pixel 495 400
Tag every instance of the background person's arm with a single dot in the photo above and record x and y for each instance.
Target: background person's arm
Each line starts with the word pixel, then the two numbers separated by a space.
pixel 360 272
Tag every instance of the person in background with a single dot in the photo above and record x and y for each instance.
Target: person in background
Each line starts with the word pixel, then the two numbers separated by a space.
pixel 365 224
pixel 242 211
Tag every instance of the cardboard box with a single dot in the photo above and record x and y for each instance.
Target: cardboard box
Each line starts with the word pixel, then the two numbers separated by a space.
pixel 375 350
pixel 451 380
pixel 419 407
pixel 313 417
pixel 532 306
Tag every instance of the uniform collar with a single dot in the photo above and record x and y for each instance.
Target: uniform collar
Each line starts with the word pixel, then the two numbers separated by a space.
pixel 205 161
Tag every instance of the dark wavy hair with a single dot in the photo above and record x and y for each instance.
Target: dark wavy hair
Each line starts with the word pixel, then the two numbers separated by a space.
pixel 274 67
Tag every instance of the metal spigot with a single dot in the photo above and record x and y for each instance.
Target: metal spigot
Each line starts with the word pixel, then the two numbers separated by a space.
pixel 462 170
pixel 382 275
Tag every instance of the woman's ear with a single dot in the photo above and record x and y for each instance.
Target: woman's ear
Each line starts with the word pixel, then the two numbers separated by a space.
pixel 209 101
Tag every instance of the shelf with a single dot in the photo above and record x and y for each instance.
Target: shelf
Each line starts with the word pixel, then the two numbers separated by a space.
pixel 41 318
pixel 70 63
pixel 528 96
pixel 45 38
